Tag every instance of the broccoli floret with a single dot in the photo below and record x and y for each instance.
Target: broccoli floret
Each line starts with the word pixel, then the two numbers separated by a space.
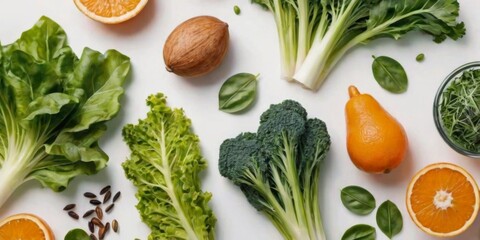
pixel 287 105
pixel 237 155
pixel 278 168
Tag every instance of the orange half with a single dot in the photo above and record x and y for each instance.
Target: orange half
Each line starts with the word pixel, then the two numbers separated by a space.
pixel 443 199
pixel 25 226
pixel 111 11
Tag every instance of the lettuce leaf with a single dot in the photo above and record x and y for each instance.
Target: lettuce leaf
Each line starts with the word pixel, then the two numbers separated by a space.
pixel 164 165
pixel 53 108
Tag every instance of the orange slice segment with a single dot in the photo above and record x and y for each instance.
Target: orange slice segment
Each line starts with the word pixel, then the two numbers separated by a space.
pixel 25 226
pixel 443 199
pixel 111 11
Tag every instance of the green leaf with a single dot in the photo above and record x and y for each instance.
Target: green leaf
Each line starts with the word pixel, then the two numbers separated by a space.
pixel 435 17
pixel 458 109
pixel 77 234
pixel 390 74
pixel 49 104
pixel 75 146
pixel 360 232
pixel 358 200
pixel 389 219
pixel 54 108
pixel 164 165
pixel 46 40
pixel 101 77
pixel 237 93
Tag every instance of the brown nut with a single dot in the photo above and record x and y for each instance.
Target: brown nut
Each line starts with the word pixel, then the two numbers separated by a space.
pixel 196 46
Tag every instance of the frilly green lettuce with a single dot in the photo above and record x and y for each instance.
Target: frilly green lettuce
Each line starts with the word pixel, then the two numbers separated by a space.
pixel 164 165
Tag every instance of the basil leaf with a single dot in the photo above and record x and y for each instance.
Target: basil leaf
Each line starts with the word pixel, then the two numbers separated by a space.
pixel 390 74
pixel 389 219
pixel 238 92
pixel 358 200
pixel 77 234
pixel 360 232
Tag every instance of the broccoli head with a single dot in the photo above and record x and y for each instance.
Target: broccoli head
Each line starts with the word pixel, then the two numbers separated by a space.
pixel 278 168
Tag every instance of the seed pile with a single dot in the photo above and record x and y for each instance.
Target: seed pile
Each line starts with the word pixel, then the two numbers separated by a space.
pixel 95 215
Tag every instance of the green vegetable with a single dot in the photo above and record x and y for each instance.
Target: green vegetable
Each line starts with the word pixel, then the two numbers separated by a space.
pixel 390 74
pixel 77 234
pixel 420 57
pixel 53 108
pixel 459 111
pixel 278 168
pixel 315 35
pixel 389 219
pixel 358 200
pixel 164 165
pixel 237 93
pixel 360 232
pixel 237 10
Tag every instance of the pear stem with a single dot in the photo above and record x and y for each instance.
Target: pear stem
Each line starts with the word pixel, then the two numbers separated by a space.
pixel 353 91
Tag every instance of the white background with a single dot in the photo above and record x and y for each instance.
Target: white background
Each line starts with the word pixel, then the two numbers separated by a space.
pixel 253 48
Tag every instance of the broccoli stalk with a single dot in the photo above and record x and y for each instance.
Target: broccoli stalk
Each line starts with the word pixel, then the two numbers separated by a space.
pixel 278 168
pixel 315 34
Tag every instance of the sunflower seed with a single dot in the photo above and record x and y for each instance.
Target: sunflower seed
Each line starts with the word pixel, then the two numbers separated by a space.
pixel 97 222
pixel 101 233
pixel 105 189
pixel 109 208
pixel 92 237
pixel 99 212
pixel 115 225
pixel 73 215
pixel 69 207
pixel 107 197
pixel 95 202
pixel 91 227
pixel 88 213
pixel 107 227
pixel 117 195
pixel 89 195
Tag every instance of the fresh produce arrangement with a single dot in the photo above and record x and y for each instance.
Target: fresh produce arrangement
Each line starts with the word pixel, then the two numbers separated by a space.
pixel 77 234
pixel 360 231
pixel 196 47
pixel 456 110
pixel 443 199
pixel 314 35
pixel 278 167
pixel 25 226
pixel 164 166
pixel 376 141
pixel 360 201
pixel 390 74
pixel 55 107
pixel 100 207
pixel 237 93
pixel 110 12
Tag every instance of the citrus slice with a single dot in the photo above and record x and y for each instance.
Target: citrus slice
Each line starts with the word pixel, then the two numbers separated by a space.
pixel 25 226
pixel 443 199
pixel 111 11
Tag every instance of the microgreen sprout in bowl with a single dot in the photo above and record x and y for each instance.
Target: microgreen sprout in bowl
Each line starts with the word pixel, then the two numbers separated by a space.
pixel 456 110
